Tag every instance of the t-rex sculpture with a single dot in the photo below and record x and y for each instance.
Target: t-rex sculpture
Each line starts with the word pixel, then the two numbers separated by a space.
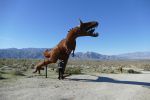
pixel 67 45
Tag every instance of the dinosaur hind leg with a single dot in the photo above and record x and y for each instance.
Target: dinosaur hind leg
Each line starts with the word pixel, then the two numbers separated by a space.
pixel 64 67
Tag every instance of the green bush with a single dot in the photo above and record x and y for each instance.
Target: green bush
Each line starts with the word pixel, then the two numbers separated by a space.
pixel 146 67
pixel 18 73
pixel 73 70
pixel 131 71
pixel 1 77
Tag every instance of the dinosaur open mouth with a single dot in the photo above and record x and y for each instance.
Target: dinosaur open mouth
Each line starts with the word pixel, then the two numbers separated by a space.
pixel 91 29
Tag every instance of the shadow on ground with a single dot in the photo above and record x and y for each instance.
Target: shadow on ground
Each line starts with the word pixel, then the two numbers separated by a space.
pixel 111 80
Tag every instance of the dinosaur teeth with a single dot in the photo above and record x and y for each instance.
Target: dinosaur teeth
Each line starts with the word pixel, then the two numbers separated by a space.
pixel 91 30
pixel 95 34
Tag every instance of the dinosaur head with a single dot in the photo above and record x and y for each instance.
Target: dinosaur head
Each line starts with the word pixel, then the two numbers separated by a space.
pixel 87 29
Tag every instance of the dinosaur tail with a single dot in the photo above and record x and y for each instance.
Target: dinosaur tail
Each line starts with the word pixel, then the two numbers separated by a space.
pixel 35 71
pixel 46 53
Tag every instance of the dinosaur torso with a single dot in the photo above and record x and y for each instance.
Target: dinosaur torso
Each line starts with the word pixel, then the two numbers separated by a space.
pixel 62 50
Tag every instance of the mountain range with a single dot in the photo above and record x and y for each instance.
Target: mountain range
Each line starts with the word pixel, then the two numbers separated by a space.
pixel 37 53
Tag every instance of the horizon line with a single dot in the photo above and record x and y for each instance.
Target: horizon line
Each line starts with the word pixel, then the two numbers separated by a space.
pixel 80 51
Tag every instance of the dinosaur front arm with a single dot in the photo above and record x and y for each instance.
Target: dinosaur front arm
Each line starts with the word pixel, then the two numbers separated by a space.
pixel 74 47
pixel 73 53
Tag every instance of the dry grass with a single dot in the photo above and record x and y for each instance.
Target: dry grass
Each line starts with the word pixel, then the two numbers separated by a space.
pixel 18 67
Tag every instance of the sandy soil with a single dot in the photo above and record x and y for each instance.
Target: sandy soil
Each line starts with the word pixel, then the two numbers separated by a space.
pixel 78 87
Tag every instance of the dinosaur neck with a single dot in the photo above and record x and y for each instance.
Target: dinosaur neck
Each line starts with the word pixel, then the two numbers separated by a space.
pixel 71 39
pixel 71 36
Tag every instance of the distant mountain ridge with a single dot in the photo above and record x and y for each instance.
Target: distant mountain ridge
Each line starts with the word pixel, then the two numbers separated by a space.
pixel 34 53
pixel 37 53
pixel 94 56
pixel 136 55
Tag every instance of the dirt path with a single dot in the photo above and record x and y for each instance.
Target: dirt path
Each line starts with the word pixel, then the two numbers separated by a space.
pixel 78 87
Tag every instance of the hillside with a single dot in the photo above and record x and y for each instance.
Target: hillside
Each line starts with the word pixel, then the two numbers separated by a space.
pixel 136 55
pixel 37 53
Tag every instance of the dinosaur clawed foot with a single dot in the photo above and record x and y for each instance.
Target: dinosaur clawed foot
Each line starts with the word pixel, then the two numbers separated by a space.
pixel 61 78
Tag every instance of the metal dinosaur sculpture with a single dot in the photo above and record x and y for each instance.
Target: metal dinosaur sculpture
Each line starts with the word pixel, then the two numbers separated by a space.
pixel 67 45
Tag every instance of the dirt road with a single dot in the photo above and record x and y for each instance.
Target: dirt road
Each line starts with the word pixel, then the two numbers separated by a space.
pixel 78 87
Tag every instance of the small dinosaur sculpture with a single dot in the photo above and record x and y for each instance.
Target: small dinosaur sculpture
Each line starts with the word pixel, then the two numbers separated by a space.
pixel 67 45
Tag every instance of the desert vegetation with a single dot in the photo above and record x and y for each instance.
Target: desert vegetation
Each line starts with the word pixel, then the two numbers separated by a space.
pixel 94 79
pixel 10 68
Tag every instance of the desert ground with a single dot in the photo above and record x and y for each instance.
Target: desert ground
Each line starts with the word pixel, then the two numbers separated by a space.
pixel 92 83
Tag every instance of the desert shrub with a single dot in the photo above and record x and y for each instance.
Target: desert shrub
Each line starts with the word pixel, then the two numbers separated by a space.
pixel 73 70
pixel 18 73
pixel 107 71
pixel 32 66
pixel 131 71
pixel 1 76
pixel 112 71
pixel 24 68
pixel 146 67
pixel 2 72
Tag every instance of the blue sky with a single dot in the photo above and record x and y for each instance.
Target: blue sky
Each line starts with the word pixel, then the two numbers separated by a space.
pixel 124 24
